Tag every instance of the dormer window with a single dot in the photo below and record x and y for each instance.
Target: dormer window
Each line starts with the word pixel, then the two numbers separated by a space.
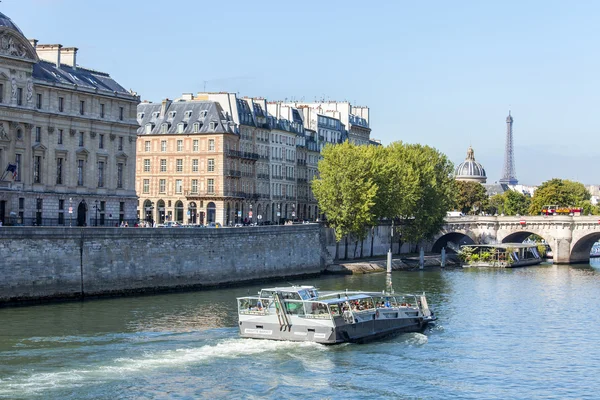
pixel 155 114
pixel 213 125
pixel 148 129
pixel 172 114
pixel 188 114
pixel 141 115
pixel 180 127
pixel 164 128
pixel 197 126
pixel 203 113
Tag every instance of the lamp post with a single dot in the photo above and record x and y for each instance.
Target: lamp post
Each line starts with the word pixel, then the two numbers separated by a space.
pixel 96 207
pixel 70 212
pixel 389 255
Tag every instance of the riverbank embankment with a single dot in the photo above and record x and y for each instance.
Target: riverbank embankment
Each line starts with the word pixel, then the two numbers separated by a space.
pixel 40 264
pixel 405 263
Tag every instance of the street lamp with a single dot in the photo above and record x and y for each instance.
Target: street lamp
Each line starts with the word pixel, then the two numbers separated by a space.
pixel 96 207
pixel 389 255
pixel 70 212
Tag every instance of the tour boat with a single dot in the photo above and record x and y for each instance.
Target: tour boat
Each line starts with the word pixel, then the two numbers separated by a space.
pixel 302 313
pixel 504 255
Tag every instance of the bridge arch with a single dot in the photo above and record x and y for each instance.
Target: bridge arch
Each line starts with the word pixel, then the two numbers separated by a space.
pixel 580 250
pixel 457 238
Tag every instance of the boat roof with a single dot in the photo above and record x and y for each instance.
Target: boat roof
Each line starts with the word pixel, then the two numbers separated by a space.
pixel 503 245
pixel 349 298
pixel 288 288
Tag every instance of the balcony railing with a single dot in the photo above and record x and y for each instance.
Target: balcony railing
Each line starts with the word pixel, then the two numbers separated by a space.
pixel 234 173
pixel 262 176
pixel 301 162
pixel 242 154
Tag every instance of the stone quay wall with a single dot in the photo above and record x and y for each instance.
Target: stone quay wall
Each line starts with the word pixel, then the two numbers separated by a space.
pixel 43 263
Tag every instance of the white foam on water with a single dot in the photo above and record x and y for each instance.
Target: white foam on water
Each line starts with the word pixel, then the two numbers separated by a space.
pixel 417 339
pixel 122 367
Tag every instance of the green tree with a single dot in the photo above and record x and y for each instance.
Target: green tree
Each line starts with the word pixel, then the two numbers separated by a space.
pixel 470 197
pixel 516 203
pixel 560 192
pixel 496 204
pixel 346 190
pixel 434 192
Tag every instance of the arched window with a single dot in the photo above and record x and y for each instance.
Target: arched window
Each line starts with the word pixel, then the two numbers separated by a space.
pixel 161 211
pixel 211 212
pixel 192 213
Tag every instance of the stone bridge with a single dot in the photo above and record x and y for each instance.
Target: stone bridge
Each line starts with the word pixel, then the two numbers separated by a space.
pixel 570 237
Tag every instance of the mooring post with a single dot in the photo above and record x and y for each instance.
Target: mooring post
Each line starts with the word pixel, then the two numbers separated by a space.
pixel 443 263
pixel 422 258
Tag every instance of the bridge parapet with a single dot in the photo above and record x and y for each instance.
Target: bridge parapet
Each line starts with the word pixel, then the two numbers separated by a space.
pixel 570 237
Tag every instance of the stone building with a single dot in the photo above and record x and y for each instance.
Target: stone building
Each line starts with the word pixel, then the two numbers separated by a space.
pixel 67 137
pixel 265 155
pixel 190 168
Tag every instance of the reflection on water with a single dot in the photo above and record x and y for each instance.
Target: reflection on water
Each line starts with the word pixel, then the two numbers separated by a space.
pixel 501 333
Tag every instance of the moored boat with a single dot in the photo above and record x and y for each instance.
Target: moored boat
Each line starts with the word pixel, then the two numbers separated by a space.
pixel 302 313
pixel 503 255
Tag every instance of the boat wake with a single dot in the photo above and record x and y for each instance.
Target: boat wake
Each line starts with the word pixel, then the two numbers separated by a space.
pixel 32 383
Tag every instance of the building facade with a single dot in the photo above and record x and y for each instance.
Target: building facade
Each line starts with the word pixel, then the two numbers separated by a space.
pixel 259 168
pixel 190 168
pixel 67 137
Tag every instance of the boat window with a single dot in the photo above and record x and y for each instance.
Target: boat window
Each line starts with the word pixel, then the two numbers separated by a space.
pixel 314 309
pixel 294 307
pixel 304 295
pixel 336 309
pixel 252 305
pixel 266 293
pixel 291 296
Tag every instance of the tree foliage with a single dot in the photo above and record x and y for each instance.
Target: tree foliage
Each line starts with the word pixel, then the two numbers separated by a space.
pixel 360 185
pixel 516 203
pixel 560 192
pixel 470 197
pixel 496 204
pixel 434 194
pixel 345 189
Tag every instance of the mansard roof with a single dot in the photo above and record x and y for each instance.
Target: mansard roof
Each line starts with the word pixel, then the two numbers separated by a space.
pixel 187 113
pixel 285 125
pixel 245 113
pixel 82 77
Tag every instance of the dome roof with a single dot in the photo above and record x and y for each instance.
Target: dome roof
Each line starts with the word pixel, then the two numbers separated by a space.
pixel 470 170
pixel 7 22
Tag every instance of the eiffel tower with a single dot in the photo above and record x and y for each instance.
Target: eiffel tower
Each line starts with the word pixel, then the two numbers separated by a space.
pixel 509 175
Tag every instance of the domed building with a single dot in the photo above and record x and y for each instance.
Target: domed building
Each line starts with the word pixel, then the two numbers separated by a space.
pixel 470 170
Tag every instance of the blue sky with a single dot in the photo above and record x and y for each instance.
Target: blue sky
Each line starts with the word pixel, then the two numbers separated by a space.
pixel 439 73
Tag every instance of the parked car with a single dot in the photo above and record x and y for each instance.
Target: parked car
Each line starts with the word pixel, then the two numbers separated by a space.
pixel 171 224
pixel 214 225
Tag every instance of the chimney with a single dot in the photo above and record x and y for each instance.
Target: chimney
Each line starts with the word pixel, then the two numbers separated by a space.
pixel 49 52
pixel 163 109
pixel 69 56
pixel 33 42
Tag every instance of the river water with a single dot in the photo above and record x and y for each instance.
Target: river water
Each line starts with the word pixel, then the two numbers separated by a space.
pixel 530 333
